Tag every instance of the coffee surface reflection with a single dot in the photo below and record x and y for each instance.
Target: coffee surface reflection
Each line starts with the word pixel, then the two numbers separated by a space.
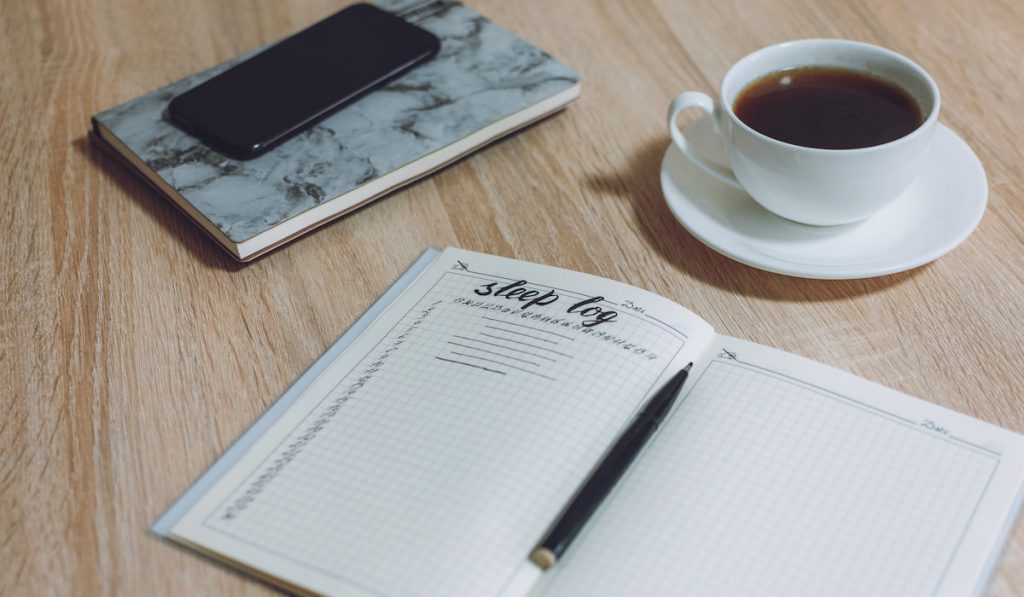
pixel 828 108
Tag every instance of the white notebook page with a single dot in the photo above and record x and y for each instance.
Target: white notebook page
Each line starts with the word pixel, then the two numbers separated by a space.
pixel 438 449
pixel 761 483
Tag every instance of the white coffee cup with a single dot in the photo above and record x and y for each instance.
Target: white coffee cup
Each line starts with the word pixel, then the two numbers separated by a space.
pixel 809 185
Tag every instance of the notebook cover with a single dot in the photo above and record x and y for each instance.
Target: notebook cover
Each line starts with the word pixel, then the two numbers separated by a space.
pixel 482 74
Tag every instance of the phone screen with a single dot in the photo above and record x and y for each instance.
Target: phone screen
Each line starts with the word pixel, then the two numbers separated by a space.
pixel 260 102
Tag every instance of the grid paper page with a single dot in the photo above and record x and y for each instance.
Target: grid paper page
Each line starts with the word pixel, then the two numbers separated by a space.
pixel 762 485
pixel 436 463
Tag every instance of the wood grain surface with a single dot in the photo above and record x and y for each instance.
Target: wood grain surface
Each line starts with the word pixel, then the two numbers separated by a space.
pixel 134 350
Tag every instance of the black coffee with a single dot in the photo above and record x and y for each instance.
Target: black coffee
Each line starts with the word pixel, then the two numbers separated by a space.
pixel 828 108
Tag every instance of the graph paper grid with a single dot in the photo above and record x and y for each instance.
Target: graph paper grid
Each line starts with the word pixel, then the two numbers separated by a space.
pixel 762 485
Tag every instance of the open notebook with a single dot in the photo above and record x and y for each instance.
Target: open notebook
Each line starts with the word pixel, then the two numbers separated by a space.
pixel 431 448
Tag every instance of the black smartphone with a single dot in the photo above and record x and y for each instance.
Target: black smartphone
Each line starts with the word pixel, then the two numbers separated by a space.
pixel 256 104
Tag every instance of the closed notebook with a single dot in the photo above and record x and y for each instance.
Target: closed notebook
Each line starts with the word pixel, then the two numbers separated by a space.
pixel 430 449
pixel 484 83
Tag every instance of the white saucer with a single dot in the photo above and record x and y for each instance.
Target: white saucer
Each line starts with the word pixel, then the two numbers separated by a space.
pixel 938 212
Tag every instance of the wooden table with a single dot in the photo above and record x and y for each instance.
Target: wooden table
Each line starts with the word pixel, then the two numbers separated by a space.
pixel 134 350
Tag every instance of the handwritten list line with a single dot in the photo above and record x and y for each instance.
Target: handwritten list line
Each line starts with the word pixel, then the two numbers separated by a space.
pixel 503 364
pixel 470 365
pixel 568 356
pixel 494 327
pixel 539 356
pixel 495 353
pixel 529 327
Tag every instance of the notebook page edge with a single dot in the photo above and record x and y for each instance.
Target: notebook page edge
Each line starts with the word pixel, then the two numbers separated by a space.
pixel 163 525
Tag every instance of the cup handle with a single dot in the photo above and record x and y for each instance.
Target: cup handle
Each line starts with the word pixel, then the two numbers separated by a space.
pixel 695 99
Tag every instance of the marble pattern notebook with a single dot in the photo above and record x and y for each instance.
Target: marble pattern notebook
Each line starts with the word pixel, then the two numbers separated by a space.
pixel 484 83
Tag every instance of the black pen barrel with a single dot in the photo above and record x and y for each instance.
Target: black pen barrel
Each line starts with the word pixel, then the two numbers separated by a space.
pixel 598 486
pixel 608 472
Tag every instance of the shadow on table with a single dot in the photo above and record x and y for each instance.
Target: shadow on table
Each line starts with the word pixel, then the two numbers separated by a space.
pixel 162 210
pixel 639 183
